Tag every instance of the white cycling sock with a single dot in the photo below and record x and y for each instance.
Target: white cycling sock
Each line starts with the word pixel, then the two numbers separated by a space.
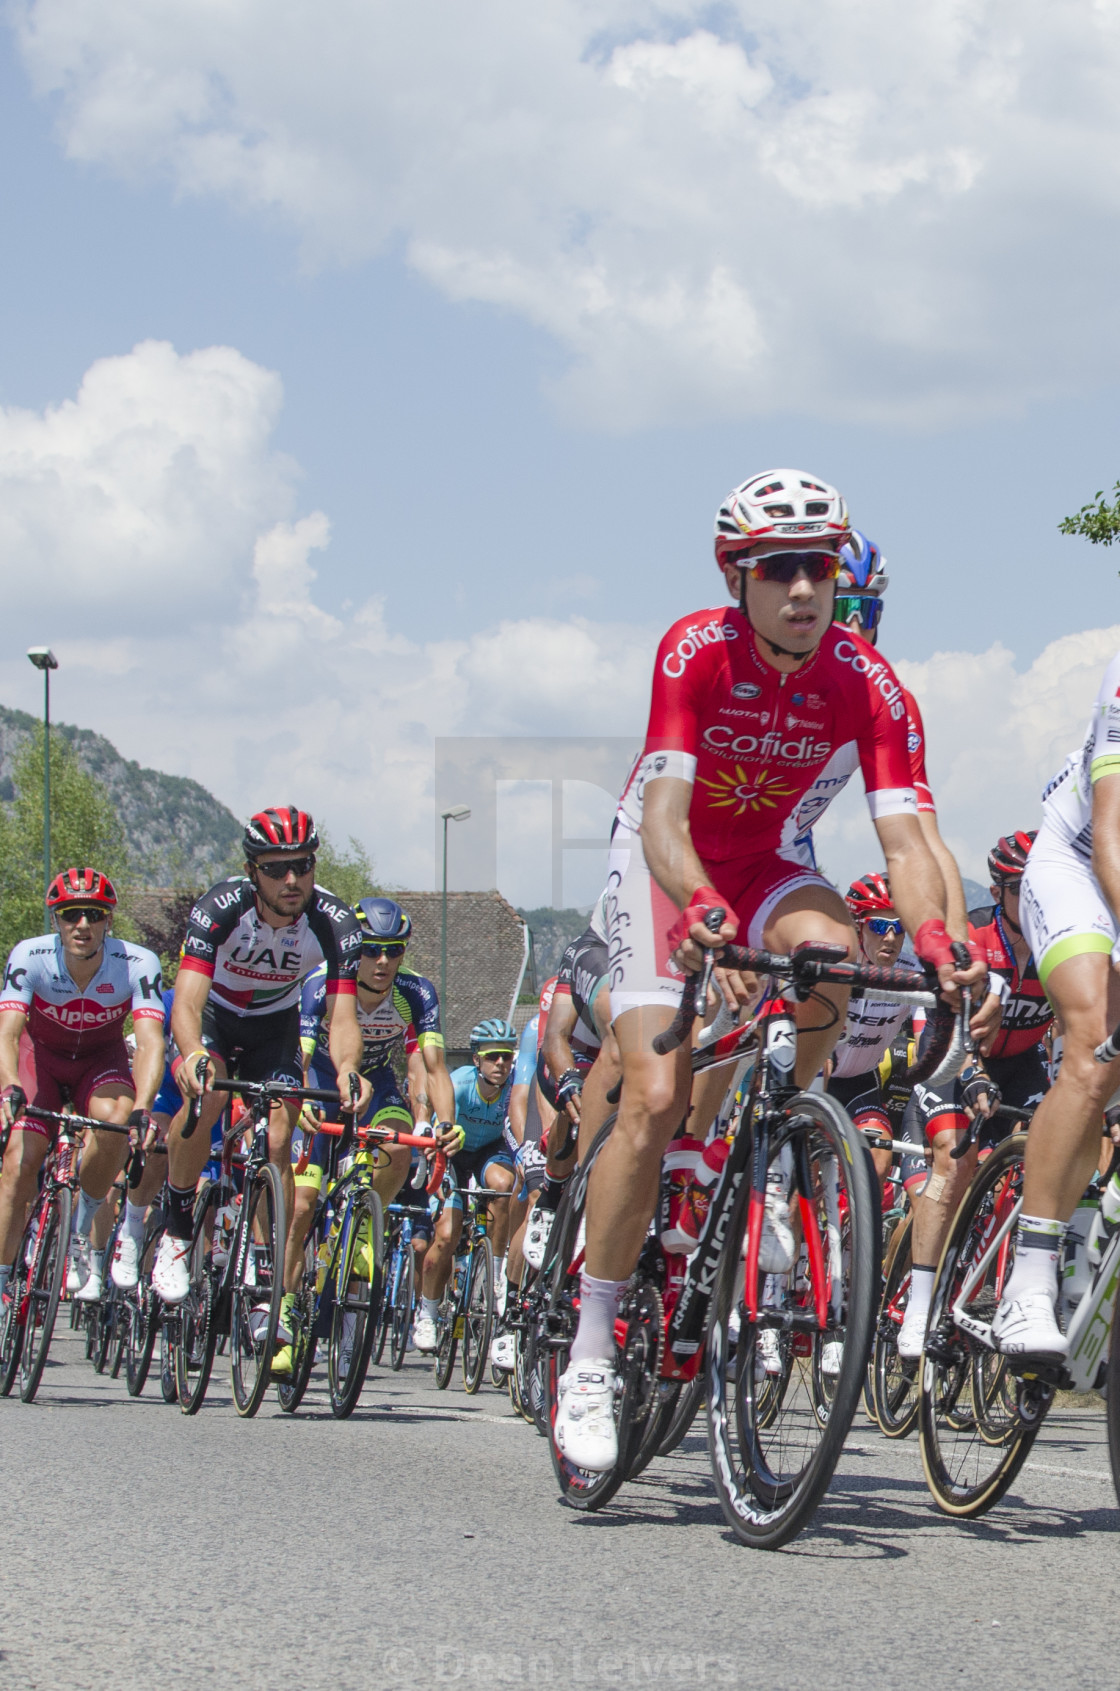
pixel 429 1307
pixel 1038 1243
pixel 87 1208
pixel 499 1271
pixel 134 1220
pixel 598 1306
pixel 921 1293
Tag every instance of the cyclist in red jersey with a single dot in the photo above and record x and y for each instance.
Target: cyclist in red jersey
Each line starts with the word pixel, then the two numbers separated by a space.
pixel 760 714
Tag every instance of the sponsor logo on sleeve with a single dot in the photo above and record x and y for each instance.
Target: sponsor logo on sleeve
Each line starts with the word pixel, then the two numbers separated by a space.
pixel 877 673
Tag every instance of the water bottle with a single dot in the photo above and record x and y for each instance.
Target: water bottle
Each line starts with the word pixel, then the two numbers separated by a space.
pixel 1077 1274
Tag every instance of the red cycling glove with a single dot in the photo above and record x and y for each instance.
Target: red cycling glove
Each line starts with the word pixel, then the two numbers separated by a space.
pixel 933 945
pixel 703 900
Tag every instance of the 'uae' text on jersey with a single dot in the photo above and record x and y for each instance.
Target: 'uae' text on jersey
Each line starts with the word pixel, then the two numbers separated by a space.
pixel 257 969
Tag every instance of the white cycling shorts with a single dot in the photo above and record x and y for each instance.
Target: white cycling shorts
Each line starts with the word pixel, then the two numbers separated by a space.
pixel 1062 909
pixel 637 916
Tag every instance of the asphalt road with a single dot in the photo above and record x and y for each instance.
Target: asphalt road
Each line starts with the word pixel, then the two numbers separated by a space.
pixel 421 1544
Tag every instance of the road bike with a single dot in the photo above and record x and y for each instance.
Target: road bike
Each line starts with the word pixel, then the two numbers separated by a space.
pixel 399 1301
pixel 727 1311
pixel 31 1298
pixel 466 1309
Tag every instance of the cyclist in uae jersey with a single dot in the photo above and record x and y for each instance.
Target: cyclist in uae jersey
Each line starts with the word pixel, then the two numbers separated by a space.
pixel 759 715
pixel 65 1000
pixel 249 943
pixel 1070 904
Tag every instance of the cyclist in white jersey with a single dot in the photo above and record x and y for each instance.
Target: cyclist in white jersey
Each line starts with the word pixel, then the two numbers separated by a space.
pixel 1068 906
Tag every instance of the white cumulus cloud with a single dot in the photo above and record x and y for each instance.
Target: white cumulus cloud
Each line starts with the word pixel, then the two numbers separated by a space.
pixel 787 204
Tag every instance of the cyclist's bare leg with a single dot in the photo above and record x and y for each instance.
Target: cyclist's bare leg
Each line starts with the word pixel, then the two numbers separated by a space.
pixel 519 1212
pixel 391 1175
pixel 105 1154
pixel 1063 1144
pixel 186 1158
pixel 622 1193
pixel 19 1182
pixel 103 1222
pixel 817 914
pixel 441 1252
pixel 937 1204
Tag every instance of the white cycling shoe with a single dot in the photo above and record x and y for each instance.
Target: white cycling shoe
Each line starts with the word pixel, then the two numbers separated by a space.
pixel 77 1269
pixel 503 1353
pixel 768 1351
pixel 832 1358
pixel 1028 1326
pixel 537 1229
pixel 94 1286
pixel 584 1429
pixel 912 1334
pixel 171 1277
pixel 776 1248
pixel 424 1335
pixel 125 1271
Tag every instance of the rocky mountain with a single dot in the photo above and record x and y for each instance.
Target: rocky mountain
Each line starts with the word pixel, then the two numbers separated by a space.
pixel 178 833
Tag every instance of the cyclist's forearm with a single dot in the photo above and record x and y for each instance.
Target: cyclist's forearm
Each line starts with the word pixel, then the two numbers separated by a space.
pixel 956 907
pixel 441 1093
pixel 148 1063
pixel 667 841
pixel 11 1027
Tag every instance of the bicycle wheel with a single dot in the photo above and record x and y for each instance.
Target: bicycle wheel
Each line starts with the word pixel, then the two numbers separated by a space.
pixel 401 1315
pixel 449 1327
pixel 304 1312
pixel 1112 1395
pixel 579 1488
pixel 167 1382
pixel 894 1383
pixel 12 1316
pixel 478 1315
pixel 193 1335
pixel 771 1471
pixel 44 1289
pixel 258 1290
pixel 394 1269
pixel 357 1299
pixel 648 1401
pixel 962 1380
pixel 142 1307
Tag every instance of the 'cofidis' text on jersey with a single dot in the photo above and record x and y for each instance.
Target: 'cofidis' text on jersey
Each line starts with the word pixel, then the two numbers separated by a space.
pixel 767 752
pixel 257 969
pixel 73 1020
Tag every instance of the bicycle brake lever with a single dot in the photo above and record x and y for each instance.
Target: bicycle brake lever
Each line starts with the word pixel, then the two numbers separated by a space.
pixel 194 1108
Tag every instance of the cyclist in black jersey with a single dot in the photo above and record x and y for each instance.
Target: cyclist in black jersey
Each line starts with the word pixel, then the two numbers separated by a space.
pixel 249 943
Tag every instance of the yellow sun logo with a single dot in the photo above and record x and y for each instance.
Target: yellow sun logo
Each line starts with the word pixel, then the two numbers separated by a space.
pixel 747 792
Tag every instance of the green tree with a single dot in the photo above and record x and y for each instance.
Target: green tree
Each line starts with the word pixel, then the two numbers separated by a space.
pixel 347 872
pixel 1099 522
pixel 85 830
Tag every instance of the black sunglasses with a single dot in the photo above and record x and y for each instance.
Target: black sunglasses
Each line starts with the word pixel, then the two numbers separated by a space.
pixel 376 949
pixel 73 915
pixel 785 566
pixel 289 866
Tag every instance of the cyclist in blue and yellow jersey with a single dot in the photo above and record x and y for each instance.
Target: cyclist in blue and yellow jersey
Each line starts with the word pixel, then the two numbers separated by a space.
pixel 479 1152
pixel 392 1000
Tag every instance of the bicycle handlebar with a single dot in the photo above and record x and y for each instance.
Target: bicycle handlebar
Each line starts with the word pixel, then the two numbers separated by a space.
pixel 71 1122
pixel 396 1136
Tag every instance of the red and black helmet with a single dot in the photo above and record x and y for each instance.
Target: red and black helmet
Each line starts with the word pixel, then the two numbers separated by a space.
pixel 280 828
pixel 82 886
pixel 867 895
pixel 1008 857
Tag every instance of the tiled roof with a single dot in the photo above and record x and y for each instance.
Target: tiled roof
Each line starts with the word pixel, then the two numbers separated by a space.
pixel 485 949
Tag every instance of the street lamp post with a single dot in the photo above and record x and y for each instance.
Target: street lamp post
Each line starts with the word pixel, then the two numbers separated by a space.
pixel 457 813
pixel 43 658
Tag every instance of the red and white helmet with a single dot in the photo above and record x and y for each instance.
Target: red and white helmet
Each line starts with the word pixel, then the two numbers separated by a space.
pixel 867 896
pixel 283 827
pixel 781 511
pixel 81 886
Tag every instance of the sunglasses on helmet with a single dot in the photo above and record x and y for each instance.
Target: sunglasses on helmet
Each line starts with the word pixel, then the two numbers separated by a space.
pixel 881 926
pixel 73 914
pixel 383 948
pixel 280 870
pixel 866 606
pixel 786 566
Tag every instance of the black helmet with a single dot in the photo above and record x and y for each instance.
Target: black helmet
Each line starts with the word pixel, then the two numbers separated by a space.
pixel 381 919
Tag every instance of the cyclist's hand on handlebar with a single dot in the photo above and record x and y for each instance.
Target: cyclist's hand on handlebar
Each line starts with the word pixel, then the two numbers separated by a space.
pixel 958 965
pixel 311 1116
pixel 691 936
pixel 12 1100
pixel 346 1090
pixel 195 1074
pixel 450 1138
pixel 985 1023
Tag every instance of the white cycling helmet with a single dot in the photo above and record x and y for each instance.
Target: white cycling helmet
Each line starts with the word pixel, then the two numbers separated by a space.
pixel 781 511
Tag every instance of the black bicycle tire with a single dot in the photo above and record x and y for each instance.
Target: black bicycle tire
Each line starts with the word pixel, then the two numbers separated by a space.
pixel 344 1396
pixel 1112 1394
pixel 168 1386
pixel 447 1321
pixel 967 1502
pixel 191 1393
pixel 290 1390
pixel 142 1313
pixel 885 1400
pixel 12 1331
pixel 265 1184
pixel 31 1371
pixel 393 1256
pixel 685 1410
pixel 752 1523
pixel 401 1317
pixel 474 1366
pixel 577 1490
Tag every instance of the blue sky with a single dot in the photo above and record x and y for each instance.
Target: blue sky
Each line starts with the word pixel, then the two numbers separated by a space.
pixel 473 474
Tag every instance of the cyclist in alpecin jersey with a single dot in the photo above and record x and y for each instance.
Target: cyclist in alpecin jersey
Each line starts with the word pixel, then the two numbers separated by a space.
pixel 759 717
pixel 65 1001
pixel 250 941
